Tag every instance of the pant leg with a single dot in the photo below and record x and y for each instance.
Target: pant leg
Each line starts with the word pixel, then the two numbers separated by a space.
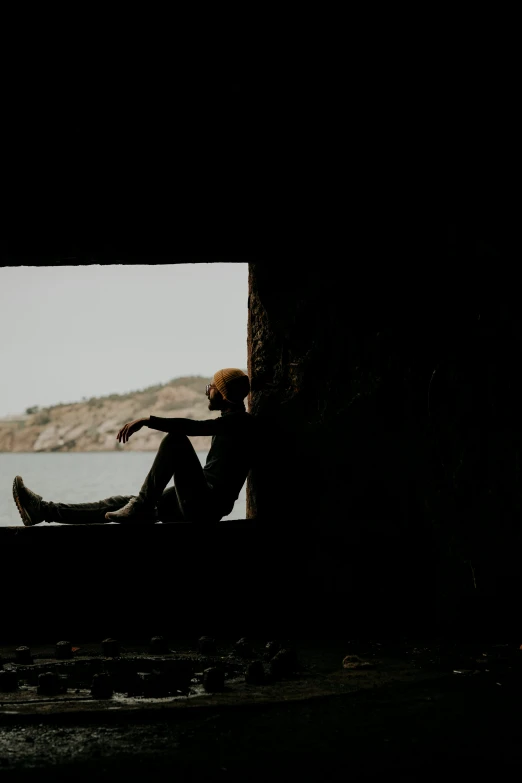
pixel 177 459
pixel 189 500
pixel 168 509
pixel 83 513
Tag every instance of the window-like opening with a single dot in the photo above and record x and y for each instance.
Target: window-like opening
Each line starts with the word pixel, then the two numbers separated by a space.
pixel 86 349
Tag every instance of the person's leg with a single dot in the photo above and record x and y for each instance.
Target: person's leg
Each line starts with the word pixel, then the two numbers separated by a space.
pixel 168 509
pixel 83 513
pixel 190 499
pixel 34 509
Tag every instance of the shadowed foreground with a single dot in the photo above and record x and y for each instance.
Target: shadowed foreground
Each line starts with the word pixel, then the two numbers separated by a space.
pixel 412 715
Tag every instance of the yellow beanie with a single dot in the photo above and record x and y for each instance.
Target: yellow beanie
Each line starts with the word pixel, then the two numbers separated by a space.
pixel 232 384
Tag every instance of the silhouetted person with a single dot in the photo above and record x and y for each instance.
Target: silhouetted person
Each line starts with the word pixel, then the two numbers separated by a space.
pixel 199 494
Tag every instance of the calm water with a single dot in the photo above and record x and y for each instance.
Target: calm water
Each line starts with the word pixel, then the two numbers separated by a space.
pixel 80 478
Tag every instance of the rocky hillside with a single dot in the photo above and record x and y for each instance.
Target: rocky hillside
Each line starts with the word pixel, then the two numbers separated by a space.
pixel 92 425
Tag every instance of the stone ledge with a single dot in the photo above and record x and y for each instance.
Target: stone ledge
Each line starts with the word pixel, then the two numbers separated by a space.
pixel 352 528
pixel 122 580
pixel 235 524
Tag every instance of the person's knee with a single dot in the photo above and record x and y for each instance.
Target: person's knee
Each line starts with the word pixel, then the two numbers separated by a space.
pixel 172 439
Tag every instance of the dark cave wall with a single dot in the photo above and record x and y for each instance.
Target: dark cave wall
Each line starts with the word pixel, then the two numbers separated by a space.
pixel 318 360
pixel 325 370
pixel 383 400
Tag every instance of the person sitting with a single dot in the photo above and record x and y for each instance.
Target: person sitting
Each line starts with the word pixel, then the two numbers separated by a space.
pixel 200 493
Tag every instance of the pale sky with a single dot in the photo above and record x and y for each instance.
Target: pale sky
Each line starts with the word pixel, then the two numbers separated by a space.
pixel 73 332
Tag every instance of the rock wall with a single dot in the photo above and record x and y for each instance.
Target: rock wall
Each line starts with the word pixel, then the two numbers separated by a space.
pixel 388 394
pixel 319 356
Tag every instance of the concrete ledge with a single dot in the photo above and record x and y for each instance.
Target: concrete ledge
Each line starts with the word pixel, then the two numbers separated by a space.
pixel 350 527
pixel 236 524
pixel 243 577
pixel 239 578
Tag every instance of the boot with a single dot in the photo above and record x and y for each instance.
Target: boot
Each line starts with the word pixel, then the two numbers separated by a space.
pixel 135 512
pixel 28 503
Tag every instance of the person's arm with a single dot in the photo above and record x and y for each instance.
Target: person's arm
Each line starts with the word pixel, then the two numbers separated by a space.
pixel 221 426
pixel 180 426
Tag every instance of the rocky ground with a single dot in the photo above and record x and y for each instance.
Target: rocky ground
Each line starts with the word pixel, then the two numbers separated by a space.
pixel 359 710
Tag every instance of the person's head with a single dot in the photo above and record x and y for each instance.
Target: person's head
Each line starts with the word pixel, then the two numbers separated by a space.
pixel 228 390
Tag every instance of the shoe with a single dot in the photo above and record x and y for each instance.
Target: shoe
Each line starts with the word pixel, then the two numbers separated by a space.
pixel 28 503
pixel 133 512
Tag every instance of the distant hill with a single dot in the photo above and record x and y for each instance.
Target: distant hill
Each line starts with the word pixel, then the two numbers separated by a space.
pixel 92 425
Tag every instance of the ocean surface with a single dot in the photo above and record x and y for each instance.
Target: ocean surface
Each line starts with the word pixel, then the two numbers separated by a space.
pixel 81 478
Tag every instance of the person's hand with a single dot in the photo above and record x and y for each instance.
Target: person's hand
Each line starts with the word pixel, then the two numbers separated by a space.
pixel 129 429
